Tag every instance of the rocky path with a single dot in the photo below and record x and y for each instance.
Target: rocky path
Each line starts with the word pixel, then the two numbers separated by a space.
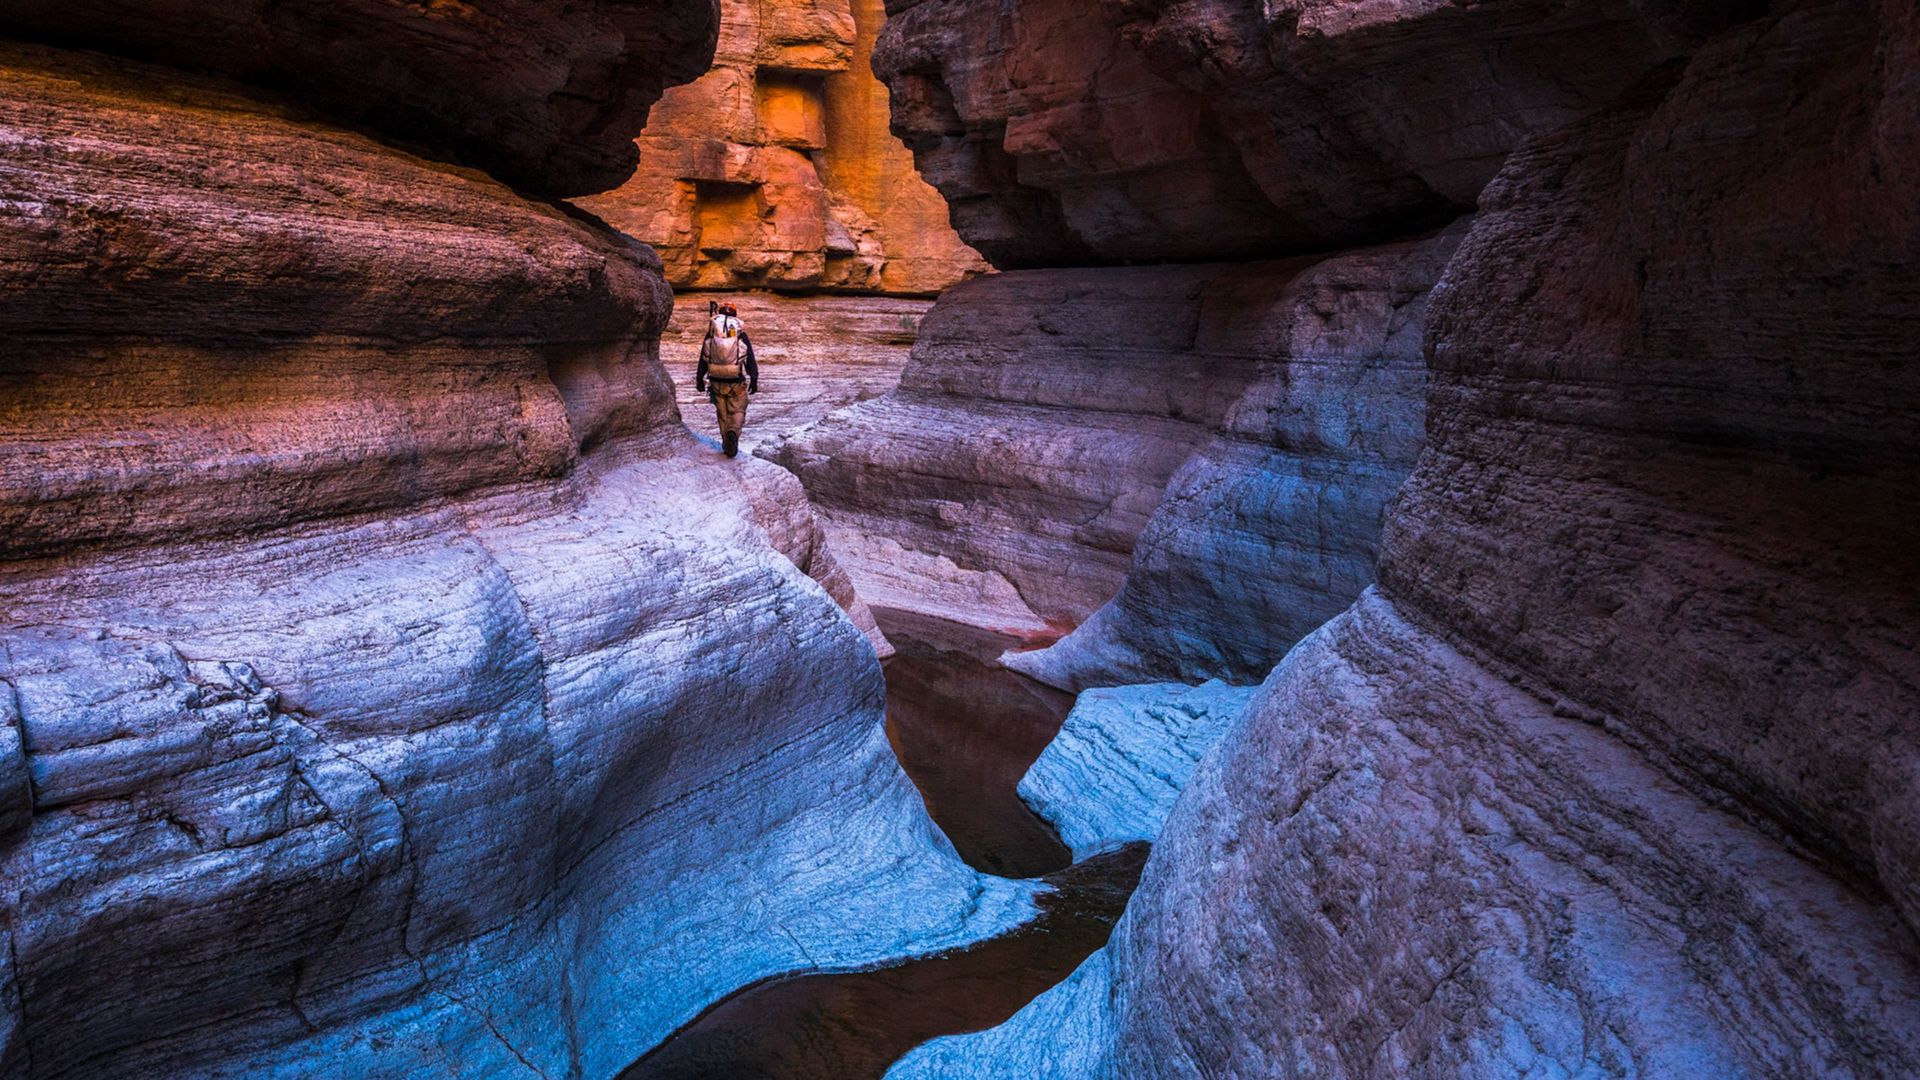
pixel 816 354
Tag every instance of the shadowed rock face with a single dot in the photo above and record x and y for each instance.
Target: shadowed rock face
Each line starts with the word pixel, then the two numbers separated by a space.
pixel 1613 771
pixel 389 685
pixel 1068 133
pixel 545 96
pixel 1723 296
pixel 776 170
pixel 1272 525
pixel 1033 434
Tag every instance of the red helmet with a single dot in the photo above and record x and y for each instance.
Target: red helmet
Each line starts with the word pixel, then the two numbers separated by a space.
pixel 728 309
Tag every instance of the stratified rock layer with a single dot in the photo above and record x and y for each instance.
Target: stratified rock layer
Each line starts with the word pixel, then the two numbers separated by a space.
pixel 1399 864
pixel 547 97
pixel 397 689
pixel 1033 438
pixel 204 345
pixel 1123 756
pixel 776 169
pixel 1613 773
pixel 1273 525
pixel 1065 132
pixel 1707 527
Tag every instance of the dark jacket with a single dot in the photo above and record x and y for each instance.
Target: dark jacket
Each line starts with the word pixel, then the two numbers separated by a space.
pixel 746 364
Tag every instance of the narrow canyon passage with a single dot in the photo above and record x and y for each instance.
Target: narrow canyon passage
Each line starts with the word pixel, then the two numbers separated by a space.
pixel 1349 539
pixel 965 730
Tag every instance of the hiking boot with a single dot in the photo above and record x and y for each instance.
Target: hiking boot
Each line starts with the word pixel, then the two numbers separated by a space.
pixel 730 442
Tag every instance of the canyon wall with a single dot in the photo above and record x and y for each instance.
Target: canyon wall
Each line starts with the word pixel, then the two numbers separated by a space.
pixel 389 683
pixel 1068 133
pixel 1004 484
pixel 775 170
pixel 546 99
pixel 1611 770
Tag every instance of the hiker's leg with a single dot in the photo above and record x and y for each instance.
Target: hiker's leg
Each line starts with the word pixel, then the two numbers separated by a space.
pixel 733 407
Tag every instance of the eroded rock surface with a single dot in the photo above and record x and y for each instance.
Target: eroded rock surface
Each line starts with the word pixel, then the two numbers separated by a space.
pixel 1066 133
pixel 1399 864
pixel 1034 434
pixel 1123 756
pixel 1707 531
pixel 776 169
pixel 1273 525
pixel 1612 773
pixel 398 686
pixel 547 97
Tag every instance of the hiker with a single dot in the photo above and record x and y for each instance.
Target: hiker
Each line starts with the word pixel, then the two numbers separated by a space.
pixel 727 372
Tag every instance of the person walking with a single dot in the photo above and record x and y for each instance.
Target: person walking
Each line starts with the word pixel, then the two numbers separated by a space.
pixel 727 373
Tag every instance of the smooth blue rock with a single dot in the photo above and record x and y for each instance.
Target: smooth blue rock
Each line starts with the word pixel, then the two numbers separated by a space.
pixel 1122 757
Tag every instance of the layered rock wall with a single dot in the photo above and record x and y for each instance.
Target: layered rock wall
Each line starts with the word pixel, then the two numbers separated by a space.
pixel 1272 525
pixel 388 684
pixel 1069 133
pixel 546 98
pixel 1611 773
pixel 1034 434
pixel 776 170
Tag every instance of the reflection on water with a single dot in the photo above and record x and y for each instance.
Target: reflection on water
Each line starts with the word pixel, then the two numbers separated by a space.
pixel 965 730
pixel 855 1026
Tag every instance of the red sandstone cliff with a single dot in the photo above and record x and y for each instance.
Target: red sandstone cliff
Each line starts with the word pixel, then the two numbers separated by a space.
pixel 776 169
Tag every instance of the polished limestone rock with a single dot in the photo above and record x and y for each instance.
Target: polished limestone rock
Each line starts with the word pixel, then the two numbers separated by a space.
pixel 397 687
pixel 1401 864
pixel 1273 525
pixel 1123 756
pixel 1163 433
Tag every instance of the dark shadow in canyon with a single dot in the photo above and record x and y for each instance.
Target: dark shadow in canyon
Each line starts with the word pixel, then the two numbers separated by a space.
pixel 854 1026
pixel 965 730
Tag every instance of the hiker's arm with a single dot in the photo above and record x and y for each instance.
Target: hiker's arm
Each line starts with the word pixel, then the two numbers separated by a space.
pixel 753 369
pixel 700 373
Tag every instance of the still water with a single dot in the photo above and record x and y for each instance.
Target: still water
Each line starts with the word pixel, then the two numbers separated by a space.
pixel 965 731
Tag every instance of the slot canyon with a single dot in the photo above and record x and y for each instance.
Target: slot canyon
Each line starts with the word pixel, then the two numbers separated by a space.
pixel 1280 538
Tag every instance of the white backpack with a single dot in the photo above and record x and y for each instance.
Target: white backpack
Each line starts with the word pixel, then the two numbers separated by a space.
pixel 724 350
